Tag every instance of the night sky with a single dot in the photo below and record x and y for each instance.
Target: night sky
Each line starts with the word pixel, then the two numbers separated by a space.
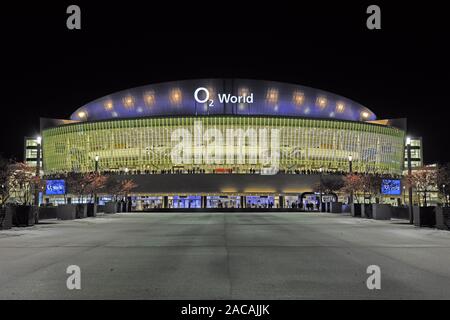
pixel 399 71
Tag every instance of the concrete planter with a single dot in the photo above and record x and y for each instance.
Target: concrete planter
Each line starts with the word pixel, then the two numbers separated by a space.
pixel 400 213
pixel 100 208
pixel 336 207
pixel 328 207
pixel 91 209
pixel 5 218
pixel 23 215
pixel 81 211
pixel 355 209
pixel 66 212
pixel 366 211
pixel 111 207
pixel 47 213
pixel 346 208
pixel 443 218
pixel 381 211
pixel 424 216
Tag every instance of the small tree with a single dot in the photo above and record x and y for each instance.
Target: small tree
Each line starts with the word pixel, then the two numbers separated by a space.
pixel 117 188
pixel 424 180
pixel 328 185
pixel 370 185
pixel 353 183
pixel 84 184
pixel 20 181
pixel 113 187
pixel 126 186
pixel 4 173
pixel 95 183
pixel 443 181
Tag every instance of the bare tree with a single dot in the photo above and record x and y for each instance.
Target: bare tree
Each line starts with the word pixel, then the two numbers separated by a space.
pixel 126 186
pixel 328 184
pixel 443 181
pixel 4 188
pixel 113 187
pixel 20 181
pixel 353 183
pixel 95 183
pixel 424 180
pixel 370 185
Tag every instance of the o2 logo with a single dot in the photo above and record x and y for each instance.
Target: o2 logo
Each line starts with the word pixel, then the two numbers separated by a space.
pixel 202 95
pixel 205 99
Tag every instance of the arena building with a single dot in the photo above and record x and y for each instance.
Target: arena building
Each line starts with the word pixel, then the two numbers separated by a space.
pixel 223 142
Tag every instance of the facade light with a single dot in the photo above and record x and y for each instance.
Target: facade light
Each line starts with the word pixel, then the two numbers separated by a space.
pixel 408 141
pixel 340 107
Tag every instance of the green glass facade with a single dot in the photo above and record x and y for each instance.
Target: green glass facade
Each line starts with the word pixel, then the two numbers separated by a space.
pixel 146 144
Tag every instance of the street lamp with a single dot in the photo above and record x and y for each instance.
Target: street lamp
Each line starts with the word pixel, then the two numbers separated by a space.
pixel 445 195
pixel 321 186
pixel 404 195
pixel 38 169
pixel 97 158
pixel 350 170
pixel 96 163
pixel 410 200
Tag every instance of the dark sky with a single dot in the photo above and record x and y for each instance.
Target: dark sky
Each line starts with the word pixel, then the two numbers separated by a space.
pixel 399 71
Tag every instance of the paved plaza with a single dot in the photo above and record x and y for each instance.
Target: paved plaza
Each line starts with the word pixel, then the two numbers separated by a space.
pixel 224 256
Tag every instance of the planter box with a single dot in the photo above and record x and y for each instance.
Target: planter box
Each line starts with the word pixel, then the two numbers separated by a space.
pixel 346 208
pixel 443 218
pixel 100 208
pixel 381 211
pixel 66 211
pixel 91 209
pixel 400 213
pixel 336 207
pixel 366 211
pixel 424 216
pixel 47 213
pixel 111 207
pixel 6 217
pixel 355 209
pixel 81 211
pixel 328 206
pixel 323 207
pixel 24 215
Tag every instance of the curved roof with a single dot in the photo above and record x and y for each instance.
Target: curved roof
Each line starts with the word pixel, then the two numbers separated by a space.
pixel 177 98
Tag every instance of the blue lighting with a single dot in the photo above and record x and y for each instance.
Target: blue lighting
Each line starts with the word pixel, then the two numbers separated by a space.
pixel 55 187
pixel 390 187
pixel 177 98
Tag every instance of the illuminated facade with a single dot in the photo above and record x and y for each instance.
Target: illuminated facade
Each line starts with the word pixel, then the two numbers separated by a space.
pixel 228 138
pixel 146 144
